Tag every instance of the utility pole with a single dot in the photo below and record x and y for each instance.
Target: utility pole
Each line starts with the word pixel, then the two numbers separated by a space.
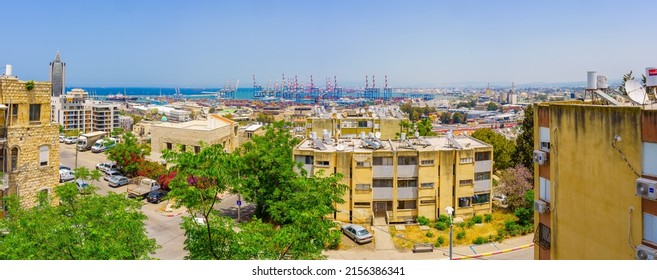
pixel 450 211
pixel 239 207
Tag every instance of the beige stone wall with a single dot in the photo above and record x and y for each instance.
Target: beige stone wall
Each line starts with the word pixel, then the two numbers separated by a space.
pixel 160 135
pixel 27 178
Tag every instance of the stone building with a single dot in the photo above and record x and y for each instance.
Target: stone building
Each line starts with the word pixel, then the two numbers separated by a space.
pixel 29 145
pixel 192 135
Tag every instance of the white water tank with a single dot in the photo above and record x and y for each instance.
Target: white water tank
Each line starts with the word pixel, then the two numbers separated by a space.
pixel 602 82
pixel 8 70
pixel 591 82
pixel 651 77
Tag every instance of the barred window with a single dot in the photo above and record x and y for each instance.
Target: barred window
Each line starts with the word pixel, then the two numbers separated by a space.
pixel 382 161
pixel 35 112
pixel 407 160
pixel 426 185
pixel 542 236
pixel 322 163
pixel 482 176
pixel 362 164
pixel 362 204
pixel 407 183
pixel 465 182
pixel 382 183
pixel 363 186
pixel 427 162
pixel 482 156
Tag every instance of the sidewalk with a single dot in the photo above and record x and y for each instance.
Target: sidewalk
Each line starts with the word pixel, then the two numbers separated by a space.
pixel 442 253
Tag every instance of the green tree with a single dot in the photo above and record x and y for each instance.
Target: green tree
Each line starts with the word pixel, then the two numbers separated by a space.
pixel 458 117
pixel 61 129
pixel 515 182
pixel 524 152
pixel 264 118
pixel 492 106
pixel 72 133
pixel 502 147
pixel 129 154
pixel 118 131
pixel 445 117
pixel 79 227
pixel 425 127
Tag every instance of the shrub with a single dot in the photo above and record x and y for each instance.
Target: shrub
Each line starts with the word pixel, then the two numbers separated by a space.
pixel 440 226
pixel 29 85
pixel 444 219
pixel 488 218
pixel 480 240
pixel 440 241
pixel 460 235
pixel 422 220
pixel 477 219
pixel 470 223
pixel 429 234
pixel 501 234
pixel 461 225
pixel 512 228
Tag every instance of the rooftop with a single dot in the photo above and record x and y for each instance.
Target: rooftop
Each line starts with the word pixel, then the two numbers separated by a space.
pixel 441 143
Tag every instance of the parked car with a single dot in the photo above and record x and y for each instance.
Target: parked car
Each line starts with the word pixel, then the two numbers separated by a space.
pixel 357 233
pixel 64 167
pixel 71 140
pixel 81 184
pixel 499 200
pixel 112 172
pixel 117 181
pixel 106 166
pixel 66 175
pixel 62 138
pixel 156 196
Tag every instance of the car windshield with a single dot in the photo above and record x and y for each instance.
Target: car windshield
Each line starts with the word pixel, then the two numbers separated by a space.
pixel 362 232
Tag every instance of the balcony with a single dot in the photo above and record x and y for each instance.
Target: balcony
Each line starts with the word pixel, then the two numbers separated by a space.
pixel 382 193
pixel 407 193
pixel 382 171
pixel 406 171
pixel 482 185
pixel 483 166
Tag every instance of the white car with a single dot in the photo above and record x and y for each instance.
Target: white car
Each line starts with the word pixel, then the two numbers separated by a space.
pixel 106 166
pixel 71 140
pixel 499 200
pixel 66 175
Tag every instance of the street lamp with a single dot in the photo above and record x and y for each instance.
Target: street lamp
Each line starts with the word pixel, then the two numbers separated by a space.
pixel 450 211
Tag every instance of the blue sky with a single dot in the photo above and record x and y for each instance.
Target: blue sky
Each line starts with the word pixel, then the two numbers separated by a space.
pixel 415 43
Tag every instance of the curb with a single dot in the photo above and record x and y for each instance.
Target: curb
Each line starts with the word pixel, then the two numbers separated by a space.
pixel 173 215
pixel 494 253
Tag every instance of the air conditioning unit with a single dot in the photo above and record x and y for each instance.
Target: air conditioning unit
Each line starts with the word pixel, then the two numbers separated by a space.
pixel 540 157
pixel 541 206
pixel 644 252
pixel 646 188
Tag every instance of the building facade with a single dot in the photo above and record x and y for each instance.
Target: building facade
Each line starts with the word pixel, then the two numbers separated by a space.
pixel 29 145
pixel 405 179
pixel 75 110
pixel 385 120
pixel 57 76
pixel 191 136
pixel 126 122
pixel 592 163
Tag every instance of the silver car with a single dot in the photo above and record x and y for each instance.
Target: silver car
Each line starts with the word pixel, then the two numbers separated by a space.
pixel 117 181
pixel 110 173
pixel 357 233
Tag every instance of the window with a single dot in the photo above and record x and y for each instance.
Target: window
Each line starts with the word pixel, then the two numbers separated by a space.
pixel 44 154
pixel 169 146
pixel 480 176
pixel 363 124
pixel 3 164
pixel 542 236
pixel 14 110
pixel 362 164
pixel 427 162
pixel 466 160
pixel 363 186
pixel 407 184
pixel 382 183
pixel 35 112
pixel 406 204
pixel 362 204
pixel 382 161
pixel 482 156
pixel 544 138
pixel 650 228
pixel 544 189
pixel 407 160
pixel 464 202
pixel 481 198
pixel 322 163
pixel 14 158
pixel 465 182
pixel 426 185
pixel 431 201
pixel 197 149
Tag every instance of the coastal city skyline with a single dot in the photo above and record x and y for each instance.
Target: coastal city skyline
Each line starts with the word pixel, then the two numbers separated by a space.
pixel 419 44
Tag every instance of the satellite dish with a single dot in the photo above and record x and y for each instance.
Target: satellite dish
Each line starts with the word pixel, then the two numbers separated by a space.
pixel 636 92
pixel 339 147
pixel 377 134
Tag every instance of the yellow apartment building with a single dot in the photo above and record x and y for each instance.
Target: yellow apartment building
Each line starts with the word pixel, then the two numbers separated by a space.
pixel 192 135
pixel 29 144
pixel 595 180
pixel 404 179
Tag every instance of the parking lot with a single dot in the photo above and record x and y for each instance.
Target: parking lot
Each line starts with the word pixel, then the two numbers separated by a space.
pixel 159 225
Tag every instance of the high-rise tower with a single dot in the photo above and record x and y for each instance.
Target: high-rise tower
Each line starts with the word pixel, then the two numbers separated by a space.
pixel 57 74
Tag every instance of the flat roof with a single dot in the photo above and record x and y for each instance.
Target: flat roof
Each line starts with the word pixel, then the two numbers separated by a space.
pixel 440 143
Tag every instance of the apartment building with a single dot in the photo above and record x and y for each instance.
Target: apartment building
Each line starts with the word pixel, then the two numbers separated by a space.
pixel 29 145
pixel 404 179
pixel 192 135
pixel 75 110
pixel 595 180
pixel 351 122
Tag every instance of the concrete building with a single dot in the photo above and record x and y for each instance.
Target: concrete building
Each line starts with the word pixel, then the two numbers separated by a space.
pixel 595 179
pixel 29 145
pixel 402 180
pixel 193 135
pixel 75 110
pixel 57 76
pixel 246 133
pixel 385 119
pixel 126 122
